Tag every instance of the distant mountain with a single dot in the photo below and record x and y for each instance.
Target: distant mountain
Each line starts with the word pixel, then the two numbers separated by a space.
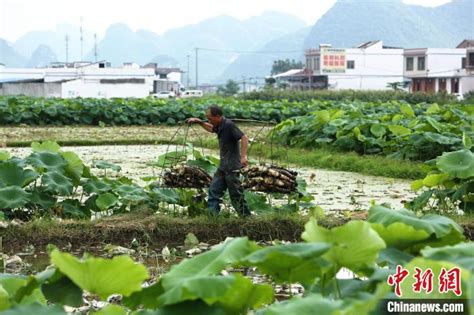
pixel 258 65
pixel 56 40
pixel 9 56
pixel 222 34
pixel 350 22
pixel 42 57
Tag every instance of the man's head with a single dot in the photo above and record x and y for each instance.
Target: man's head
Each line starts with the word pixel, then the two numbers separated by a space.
pixel 214 115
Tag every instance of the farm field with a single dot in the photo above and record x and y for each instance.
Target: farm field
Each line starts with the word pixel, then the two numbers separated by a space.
pixel 329 245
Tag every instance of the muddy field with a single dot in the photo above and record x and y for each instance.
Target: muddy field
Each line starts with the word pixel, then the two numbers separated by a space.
pixel 332 190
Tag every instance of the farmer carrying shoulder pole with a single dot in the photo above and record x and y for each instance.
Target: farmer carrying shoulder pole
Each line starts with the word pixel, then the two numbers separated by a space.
pixel 231 161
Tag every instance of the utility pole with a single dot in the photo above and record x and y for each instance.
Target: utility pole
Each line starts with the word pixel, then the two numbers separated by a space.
pixel 197 84
pixel 95 47
pixel 82 41
pixel 67 48
pixel 187 83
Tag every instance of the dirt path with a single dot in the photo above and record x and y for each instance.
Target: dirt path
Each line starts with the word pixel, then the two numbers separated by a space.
pixel 333 190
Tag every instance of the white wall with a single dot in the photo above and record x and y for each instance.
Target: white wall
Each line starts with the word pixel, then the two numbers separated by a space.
pixel 373 69
pixel 32 89
pixel 466 84
pixel 89 88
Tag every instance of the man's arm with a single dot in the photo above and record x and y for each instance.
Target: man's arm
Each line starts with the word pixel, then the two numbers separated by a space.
pixel 244 143
pixel 205 125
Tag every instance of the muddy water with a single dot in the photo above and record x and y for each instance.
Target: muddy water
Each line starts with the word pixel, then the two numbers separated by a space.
pixel 332 190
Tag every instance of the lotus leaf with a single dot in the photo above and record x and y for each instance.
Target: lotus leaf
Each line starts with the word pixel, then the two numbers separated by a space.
pixel 46 146
pixel 58 183
pixel 299 262
pixel 119 275
pixel 354 245
pixel 435 179
pixel 131 193
pixel 235 293
pixel 399 131
pixel 47 161
pixel 12 174
pixel 13 197
pixel 303 306
pixel 404 229
pixel 461 254
pixel 378 130
pixel 96 186
pixel 4 155
pixel 105 165
pixel 75 166
pixel 106 201
pixel 458 164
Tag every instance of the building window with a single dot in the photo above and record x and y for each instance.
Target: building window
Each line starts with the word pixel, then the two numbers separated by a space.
pixel 350 64
pixel 316 63
pixel 421 63
pixel 470 63
pixel 463 63
pixel 309 64
pixel 409 63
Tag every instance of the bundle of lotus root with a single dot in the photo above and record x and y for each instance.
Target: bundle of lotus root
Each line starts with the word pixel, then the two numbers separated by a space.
pixel 186 176
pixel 272 179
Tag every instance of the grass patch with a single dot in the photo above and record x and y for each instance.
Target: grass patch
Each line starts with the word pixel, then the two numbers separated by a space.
pixel 161 230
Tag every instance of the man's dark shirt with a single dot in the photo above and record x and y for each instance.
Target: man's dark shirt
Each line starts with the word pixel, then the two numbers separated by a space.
pixel 229 135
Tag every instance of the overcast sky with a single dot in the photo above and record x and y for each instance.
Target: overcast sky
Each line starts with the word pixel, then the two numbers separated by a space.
pixel 18 17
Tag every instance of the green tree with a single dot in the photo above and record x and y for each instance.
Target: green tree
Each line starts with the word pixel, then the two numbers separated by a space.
pixel 280 66
pixel 230 88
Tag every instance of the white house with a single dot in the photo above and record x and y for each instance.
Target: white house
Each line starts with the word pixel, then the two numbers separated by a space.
pixel 78 80
pixel 433 70
pixel 369 66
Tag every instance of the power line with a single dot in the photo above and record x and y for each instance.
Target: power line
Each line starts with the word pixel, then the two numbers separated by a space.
pixel 252 52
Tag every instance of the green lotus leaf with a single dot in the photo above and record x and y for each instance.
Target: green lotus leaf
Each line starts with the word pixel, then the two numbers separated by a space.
pixel 13 197
pixel 460 254
pixel 43 198
pixel 111 309
pixel 131 193
pixel 392 257
pixel 399 131
pixel 75 166
pixel 354 245
pixel 106 201
pixel 308 305
pixel 36 309
pixel 403 229
pixel 170 196
pixel 407 110
pixel 365 304
pixel 47 161
pixel 258 203
pixel 458 164
pixel 435 179
pixel 72 208
pixel 436 267
pixel 298 262
pixel 378 130
pixel 4 155
pixel 46 146
pixel 12 174
pixel 119 275
pixel 58 183
pixel 96 186
pixel 417 184
pixel 104 165
pixel 59 289
pixel 209 263
pixel 235 293
pixel 466 142
pixel 441 138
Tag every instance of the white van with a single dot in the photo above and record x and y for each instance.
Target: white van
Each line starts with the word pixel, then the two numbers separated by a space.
pixel 191 93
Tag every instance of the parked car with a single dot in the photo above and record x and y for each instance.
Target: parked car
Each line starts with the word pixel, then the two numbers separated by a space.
pixel 164 94
pixel 459 96
pixel 191 93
